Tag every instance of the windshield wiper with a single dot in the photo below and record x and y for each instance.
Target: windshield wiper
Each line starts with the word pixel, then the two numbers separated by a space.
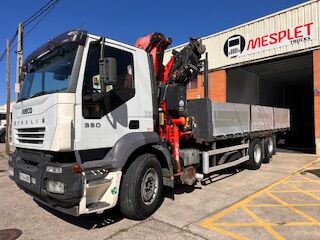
pixel 46 92
pixel 34 95
pixel 39 94
pixel 22 99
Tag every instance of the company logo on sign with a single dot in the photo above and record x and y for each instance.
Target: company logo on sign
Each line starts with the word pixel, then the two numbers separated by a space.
pixel 237 45
pixel 234 46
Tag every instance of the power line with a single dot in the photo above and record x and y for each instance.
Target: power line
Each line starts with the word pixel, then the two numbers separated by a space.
pixel 10 43
pixel 37 14
pixel 49 9
pixel 37 23
pixel 43 10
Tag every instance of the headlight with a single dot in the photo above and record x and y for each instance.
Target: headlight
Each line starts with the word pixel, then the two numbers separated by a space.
pixel 11 171
pixel 54 169
pixel 54 186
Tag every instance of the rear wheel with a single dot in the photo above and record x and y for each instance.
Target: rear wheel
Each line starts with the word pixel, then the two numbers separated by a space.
pixel 255 155
pixel 274 139
pixel 268 148
pixel 141 188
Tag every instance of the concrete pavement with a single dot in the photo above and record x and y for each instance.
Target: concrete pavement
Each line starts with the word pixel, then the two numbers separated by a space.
pixel 287 209
pixel 179 216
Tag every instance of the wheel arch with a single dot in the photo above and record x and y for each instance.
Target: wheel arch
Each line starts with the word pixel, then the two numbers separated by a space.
pixel 131 145
pixel 163 156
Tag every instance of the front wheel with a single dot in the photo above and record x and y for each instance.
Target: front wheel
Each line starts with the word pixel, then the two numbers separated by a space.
pixel 141 188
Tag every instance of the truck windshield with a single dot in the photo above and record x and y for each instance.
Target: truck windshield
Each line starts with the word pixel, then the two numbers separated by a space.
pixel 49 73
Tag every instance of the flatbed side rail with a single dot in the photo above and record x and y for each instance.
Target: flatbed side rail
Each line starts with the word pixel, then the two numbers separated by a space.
pixel 206 155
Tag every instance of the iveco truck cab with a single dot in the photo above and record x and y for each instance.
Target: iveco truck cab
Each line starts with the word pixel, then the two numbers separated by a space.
pixel 73 137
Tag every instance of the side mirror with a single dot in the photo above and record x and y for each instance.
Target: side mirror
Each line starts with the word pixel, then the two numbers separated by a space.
pixel 107 68
pixel 108 71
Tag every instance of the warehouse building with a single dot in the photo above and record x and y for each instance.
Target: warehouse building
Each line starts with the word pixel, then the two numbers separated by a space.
pixel 272 61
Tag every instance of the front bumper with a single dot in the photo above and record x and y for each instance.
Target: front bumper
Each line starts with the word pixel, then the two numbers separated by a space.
pixel 33 164
pixel 94 190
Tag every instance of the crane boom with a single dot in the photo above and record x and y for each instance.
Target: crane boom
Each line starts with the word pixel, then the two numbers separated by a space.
pixel 172 79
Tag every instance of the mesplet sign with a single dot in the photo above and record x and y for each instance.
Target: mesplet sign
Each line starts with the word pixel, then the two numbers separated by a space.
pixel 238 45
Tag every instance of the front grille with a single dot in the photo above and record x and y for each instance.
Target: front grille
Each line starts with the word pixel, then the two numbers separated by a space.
pixel 31 135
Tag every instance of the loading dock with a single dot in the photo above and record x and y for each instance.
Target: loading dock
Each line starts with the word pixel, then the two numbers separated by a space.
pixel 273 61
pixel 285 82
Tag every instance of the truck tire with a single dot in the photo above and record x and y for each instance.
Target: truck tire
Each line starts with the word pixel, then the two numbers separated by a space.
pixel 3 138
pixel 274 139
pixel 268 149
pixel 141 188
pixel 255 155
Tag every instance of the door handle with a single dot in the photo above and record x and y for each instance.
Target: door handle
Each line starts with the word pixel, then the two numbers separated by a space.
pixel 134 124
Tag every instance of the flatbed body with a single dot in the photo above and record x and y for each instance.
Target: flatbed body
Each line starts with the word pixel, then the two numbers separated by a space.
pixel 216 121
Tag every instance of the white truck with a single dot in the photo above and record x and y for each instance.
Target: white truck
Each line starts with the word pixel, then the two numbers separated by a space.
pixel 100 123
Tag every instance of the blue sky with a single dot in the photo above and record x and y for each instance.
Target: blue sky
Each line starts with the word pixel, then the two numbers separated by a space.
pixel 126 20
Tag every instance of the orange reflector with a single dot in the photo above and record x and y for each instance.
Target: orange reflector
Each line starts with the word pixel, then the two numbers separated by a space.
pixel 76 168
pixel 161 119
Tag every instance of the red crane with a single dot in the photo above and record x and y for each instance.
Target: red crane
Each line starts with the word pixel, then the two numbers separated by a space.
pixel 182 68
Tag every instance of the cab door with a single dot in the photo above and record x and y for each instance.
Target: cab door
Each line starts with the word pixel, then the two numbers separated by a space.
pixel 104 116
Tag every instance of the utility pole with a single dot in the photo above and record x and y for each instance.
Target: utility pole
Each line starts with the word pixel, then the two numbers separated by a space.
pixel 8 96
pixel 19 60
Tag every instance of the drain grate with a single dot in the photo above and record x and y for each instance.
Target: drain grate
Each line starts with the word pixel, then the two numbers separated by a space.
pixel 10 234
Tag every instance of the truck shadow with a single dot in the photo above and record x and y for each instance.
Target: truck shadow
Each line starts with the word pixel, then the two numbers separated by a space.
pixel 90 221
pixel 109 217
pixel 218 176
pixel 315 172
pixel 209 179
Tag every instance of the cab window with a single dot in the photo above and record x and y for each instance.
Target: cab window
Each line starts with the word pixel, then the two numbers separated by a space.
pixel 96 102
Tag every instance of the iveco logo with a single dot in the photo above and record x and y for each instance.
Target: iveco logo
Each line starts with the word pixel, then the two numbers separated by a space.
pixel 26 111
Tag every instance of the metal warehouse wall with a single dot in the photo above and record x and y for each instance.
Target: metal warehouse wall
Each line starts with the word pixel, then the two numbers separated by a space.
pixel 292 30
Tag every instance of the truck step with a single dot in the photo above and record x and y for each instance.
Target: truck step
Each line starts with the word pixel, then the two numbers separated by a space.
pixel 97 205
pixel 97 182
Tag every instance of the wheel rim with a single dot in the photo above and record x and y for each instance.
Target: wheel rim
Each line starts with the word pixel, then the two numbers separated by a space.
pixel 270 145
pixel 257 153
pixel 149 186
